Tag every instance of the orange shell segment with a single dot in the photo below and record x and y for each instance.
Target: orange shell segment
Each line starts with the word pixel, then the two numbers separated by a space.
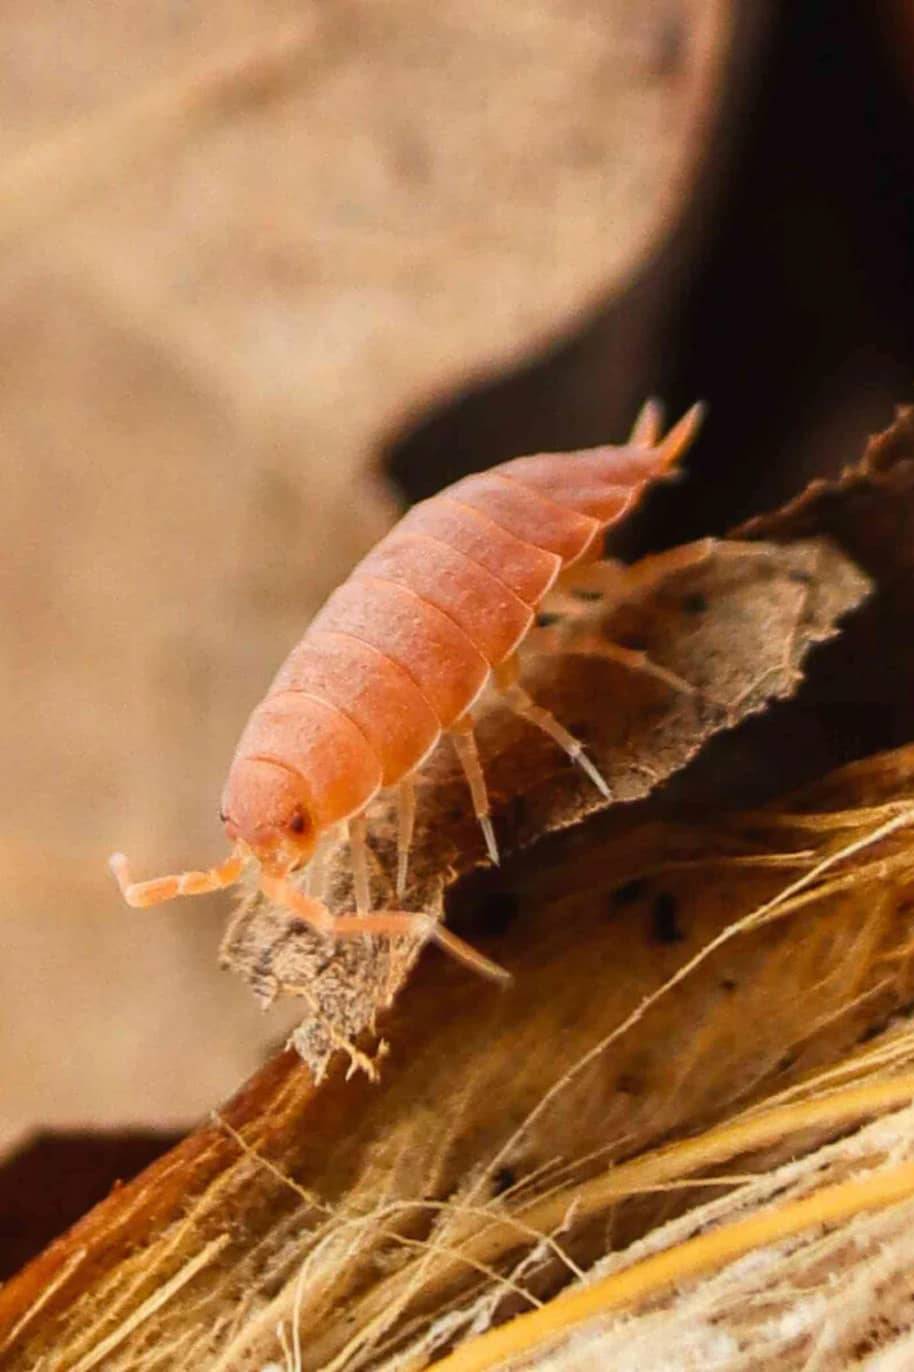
pixel 529 515
pixel 416 636
pixel 376 694
pixel 526 570
pixel 340 770
pixel 490 615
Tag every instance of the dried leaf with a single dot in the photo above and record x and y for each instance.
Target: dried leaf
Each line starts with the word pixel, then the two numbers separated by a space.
pixel 865 695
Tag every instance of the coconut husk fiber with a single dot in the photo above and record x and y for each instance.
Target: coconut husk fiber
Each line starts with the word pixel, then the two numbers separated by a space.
pixel 707 969
pixel 684 964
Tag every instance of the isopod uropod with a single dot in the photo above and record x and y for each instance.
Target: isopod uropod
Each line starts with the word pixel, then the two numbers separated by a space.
pixel 397 656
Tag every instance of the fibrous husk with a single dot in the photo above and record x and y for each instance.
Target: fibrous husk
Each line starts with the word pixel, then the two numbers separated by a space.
pixel 803 1267
pixel 666 980
pixel 672 971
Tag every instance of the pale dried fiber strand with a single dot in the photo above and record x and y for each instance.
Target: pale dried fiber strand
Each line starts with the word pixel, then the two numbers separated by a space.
pixel 384 1304
pixel 779 904
pixel 673 1165
pixel 762 1240
pixel 62 1276
pixel 159 1297
pixel 328 1269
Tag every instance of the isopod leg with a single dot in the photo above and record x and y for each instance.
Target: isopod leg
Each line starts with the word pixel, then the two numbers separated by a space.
pixel 524 705
pixel 636 661
pixel 394 922
pixel 144 893
pixel 648 426
pixel 556 638
pixel 317 868
pixel 468 754
pixel 387 922
pixel 283 892
pixel 358 847
pixel 682 435
pixel 406 814
pixel 617 582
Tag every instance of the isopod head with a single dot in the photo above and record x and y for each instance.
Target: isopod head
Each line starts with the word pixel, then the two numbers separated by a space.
pixel 265 812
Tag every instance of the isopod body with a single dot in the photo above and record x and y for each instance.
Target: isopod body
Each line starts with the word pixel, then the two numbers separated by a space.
pixel 400 653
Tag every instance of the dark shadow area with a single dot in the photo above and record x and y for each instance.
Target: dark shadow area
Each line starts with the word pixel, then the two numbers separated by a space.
pixel 793 318
pixel 51 1181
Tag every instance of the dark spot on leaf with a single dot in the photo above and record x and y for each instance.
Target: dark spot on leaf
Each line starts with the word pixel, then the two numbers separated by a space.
pixel 629 891
pixel 695 604
pixel 503 1180
pixel 498 911
pixel 629 1085
pixel 664 919
pixel 728 984
pixel 545 618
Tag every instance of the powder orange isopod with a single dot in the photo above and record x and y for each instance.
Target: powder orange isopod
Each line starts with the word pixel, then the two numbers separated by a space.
pixel 398 656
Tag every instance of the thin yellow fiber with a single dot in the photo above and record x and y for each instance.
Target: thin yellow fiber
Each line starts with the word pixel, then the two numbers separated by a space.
pixel 671 1165
pixel 684 1163
pixel 702 1254
pixel 794 895
pixel 759 1129
pixel 154 1303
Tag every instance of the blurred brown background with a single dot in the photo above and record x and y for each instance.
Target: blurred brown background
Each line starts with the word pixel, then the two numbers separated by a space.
pixel 268 274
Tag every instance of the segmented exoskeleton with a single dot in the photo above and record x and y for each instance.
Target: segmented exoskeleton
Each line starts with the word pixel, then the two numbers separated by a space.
pixel 399 655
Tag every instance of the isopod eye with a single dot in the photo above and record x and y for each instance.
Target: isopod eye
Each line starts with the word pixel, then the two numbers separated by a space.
pixel 297 823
